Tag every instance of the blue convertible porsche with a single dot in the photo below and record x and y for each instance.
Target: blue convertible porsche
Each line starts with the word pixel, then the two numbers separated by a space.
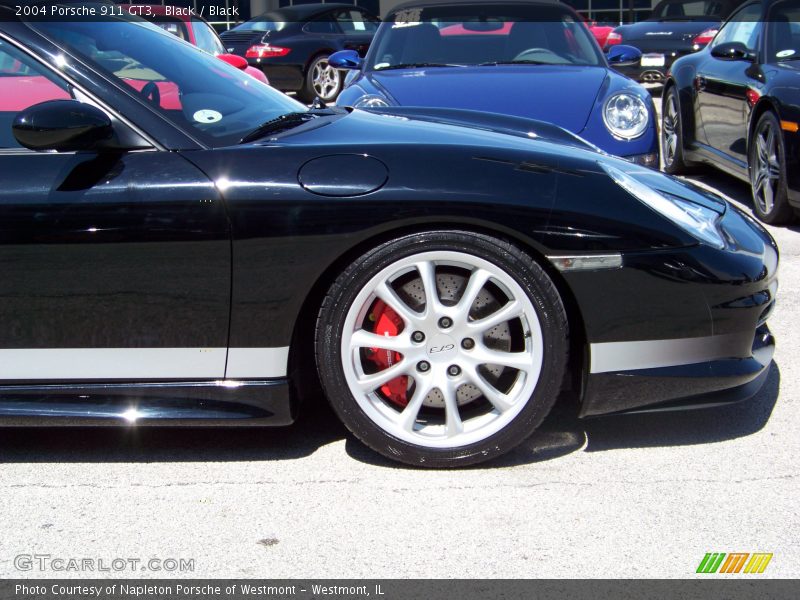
pixel 533 59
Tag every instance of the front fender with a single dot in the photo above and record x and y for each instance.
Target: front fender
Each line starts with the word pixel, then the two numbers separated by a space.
pixel 682 77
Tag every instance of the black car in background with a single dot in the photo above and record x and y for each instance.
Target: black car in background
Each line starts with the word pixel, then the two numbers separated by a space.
pixel 676 28
pixel 291 45
pixel 736 105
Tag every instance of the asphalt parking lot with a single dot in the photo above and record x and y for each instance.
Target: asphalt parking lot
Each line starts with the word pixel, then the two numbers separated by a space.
pixel 633 496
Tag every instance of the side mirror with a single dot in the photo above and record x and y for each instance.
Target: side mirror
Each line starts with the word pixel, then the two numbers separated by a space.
pixel 624 56
pixel 234 60
pixel 732 51
pixel 345 59
pixel 63 125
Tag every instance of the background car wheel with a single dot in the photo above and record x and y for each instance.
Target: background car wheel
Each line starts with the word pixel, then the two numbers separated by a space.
pixel 322 81
pixel 767 162
pixel 442 349
pixel 672 134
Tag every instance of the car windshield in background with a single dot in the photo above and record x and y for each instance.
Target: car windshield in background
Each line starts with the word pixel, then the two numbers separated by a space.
pixel 205 38
pixel 783 31
pixel 683 10
pixel 267 22
pixel 483 35
pixel 175 26
pixel 216 102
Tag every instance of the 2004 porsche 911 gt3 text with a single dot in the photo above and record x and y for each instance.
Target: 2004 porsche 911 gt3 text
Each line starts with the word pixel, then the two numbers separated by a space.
pixel 198 249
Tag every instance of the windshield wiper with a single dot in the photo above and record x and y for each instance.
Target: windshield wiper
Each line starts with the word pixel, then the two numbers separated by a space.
pixel 415 65
pixel 282 123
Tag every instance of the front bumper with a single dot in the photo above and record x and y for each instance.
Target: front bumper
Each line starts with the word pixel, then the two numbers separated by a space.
pixel 670 327
pixel 695 385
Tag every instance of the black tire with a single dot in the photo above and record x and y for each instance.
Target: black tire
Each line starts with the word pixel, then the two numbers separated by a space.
pixel 767 166
pixel 509 261
pixel 310 92
pixel 671 135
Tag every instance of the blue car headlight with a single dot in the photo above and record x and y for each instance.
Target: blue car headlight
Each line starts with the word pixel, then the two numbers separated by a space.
pixel 626 115
pixel 371 101
pixel 697 220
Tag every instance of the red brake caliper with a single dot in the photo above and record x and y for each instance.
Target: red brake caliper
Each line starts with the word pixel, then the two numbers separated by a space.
pixel 386 322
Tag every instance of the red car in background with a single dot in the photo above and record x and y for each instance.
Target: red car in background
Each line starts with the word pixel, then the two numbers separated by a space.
pixel 197 31
pixel 600 31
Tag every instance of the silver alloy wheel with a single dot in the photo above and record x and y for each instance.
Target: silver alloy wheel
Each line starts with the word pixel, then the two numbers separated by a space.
pixel 766 172
pixel 443 365
pixel 669 130
pixel 325 79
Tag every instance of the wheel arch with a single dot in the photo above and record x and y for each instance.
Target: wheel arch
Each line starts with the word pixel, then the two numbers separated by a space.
pixel 302 367
pixel 315 55
pixel 684 108
pixel 764 104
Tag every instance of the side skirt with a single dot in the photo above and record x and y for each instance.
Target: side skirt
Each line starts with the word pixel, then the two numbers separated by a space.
pixel 698 153
pixel 219 402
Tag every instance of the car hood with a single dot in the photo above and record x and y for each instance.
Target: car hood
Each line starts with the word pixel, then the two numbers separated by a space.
pixel 563 95
pixel 664 30
pixel 483 134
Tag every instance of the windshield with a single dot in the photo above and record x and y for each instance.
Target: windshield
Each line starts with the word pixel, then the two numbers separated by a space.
pixel 206 38
pixel 783 31
pixel 266 22
pixel 483 35
pixel 215 102
pixel 691 10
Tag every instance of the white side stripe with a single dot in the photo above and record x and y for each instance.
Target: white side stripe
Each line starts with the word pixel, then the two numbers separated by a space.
pixel 141 363
pixel 628 356
pixel 257 362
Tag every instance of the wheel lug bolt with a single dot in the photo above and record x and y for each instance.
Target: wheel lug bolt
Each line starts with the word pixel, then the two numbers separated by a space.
pixel 467 343
pixel 418 336
pixel 445 322
pixel 454 370
pixel 423 366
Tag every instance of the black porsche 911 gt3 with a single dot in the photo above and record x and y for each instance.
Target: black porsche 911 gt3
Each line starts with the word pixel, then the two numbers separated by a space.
pixel 736 106
pixel 181 244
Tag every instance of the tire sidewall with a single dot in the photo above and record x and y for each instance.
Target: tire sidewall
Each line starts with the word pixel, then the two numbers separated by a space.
pixel 677 166
pixel 781 211
pixel 532 279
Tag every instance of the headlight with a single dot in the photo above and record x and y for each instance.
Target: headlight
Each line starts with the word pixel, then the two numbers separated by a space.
pixel 697 220
pixel 371 101
pixel 626 115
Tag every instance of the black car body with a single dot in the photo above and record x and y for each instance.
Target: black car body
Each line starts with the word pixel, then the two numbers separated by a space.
pixel 438 271
pixel 291 45
pixel 676 28
pixel 744 88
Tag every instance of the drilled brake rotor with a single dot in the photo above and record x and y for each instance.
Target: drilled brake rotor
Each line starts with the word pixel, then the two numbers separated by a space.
pixel 450 285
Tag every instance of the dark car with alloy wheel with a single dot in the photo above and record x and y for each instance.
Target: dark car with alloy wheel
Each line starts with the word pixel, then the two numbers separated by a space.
pixel 216 254
pixel 291 45
pixel 736 106
pixel 674 29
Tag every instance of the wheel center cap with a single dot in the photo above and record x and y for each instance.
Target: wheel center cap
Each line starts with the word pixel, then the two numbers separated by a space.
pixel 441 348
